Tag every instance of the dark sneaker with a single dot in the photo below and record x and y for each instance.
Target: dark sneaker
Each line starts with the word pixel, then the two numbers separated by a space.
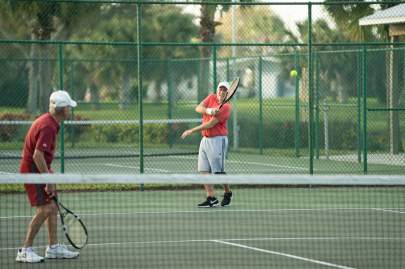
pixel 210 202
pixel 227 199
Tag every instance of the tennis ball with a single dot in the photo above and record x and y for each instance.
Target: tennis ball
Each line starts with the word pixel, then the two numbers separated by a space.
pixel 293 73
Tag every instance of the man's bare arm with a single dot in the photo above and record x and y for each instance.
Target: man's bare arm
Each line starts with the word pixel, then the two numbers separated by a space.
pixel 200 127
pixel 39 160
pixel 204 110
pixel 40 163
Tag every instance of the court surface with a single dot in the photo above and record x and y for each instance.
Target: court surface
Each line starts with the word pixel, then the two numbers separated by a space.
pixel 263 228
pixel 121 161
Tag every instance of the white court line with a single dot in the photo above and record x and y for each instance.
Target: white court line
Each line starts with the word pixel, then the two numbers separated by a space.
pixel 390 210
pixel 256 163
pixel 135 167
pixel 202 211
pixel 269 165
pixel 230 239
pixel 284 254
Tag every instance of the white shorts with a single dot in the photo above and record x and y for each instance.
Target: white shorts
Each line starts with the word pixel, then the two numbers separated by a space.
pixel 212 154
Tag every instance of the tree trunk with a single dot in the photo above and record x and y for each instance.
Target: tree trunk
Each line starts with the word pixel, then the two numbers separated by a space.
pixel 41 69
pixel 207 32
pixel 342 94
pixel 94 96
pixel 125 93
pixel 393 91
pixel 46 68
pixel 204 79
pixel 34 81
pixel 158 91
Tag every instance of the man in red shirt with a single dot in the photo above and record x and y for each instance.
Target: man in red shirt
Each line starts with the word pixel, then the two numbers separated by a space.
pixel 37 156
pixel 214 144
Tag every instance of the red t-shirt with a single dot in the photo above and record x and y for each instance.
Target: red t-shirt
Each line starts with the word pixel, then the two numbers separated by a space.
pixel 220 129
pixel 42 136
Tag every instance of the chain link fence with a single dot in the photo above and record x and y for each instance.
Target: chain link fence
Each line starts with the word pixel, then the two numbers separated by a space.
pixel 341 112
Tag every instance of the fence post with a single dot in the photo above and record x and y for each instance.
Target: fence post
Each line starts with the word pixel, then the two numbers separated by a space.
pixel 297 106
pixel 261 129
pixel 316 93
pixel 169 101
pixel 310 93
pixel 358 86
pixel 198 69
pixel 62 125
pixel 140 93
pixel 214 66
pixel 364 84
pixel 71 78
pixel 228 78
pixel 326 108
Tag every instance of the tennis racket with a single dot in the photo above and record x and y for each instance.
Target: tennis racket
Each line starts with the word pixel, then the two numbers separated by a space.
pixel 73 227
pixel 231 91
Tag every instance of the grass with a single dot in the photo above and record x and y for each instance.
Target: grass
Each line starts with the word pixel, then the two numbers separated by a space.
pixel 277 109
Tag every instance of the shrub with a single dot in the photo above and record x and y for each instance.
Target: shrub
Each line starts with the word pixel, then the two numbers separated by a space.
pixel 281 134
pixel 13 132
pixel 73 132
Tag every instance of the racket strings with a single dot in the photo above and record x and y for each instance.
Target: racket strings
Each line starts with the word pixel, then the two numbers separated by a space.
pixel 75 230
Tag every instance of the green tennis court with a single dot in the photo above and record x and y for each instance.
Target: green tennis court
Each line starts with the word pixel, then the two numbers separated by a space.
pixel 344 227
pixel 187 163
pixel 183 159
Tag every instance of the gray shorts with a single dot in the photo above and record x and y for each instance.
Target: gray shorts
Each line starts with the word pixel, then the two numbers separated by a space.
pixel 212 153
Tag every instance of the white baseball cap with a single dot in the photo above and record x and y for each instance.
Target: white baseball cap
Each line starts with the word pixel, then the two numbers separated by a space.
pixel 223 84
pixel 61 99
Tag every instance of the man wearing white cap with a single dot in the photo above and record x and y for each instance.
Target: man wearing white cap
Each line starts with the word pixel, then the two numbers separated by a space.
pixel 214 144
pixel 37 156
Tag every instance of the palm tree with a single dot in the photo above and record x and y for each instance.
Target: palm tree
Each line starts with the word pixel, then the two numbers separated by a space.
pixel 346 17
pixel 207 34
pixel 40 21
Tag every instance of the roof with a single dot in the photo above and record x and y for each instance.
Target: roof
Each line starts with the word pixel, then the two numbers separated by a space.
pixel 390 15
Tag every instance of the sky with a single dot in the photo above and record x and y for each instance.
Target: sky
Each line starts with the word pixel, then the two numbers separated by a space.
pixel 290 14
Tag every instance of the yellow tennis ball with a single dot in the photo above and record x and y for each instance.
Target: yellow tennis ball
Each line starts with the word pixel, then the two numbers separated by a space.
pixel 293 73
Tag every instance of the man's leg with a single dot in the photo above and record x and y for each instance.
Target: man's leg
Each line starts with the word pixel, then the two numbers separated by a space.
pixel 41 214
pixel 54 249
pixel 227 188
pixel 205 168
pixel 52 223
pixel 209 188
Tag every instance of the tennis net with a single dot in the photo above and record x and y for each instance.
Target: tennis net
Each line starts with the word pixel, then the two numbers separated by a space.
pixel 273 221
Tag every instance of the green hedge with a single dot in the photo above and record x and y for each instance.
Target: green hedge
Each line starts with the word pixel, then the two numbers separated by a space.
pixel 281 134
pixel 277 134
pixel 118 133
pixel 12 133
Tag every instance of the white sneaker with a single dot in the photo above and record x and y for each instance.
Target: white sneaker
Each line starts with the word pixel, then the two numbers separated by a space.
pixel 60 251
pixel 28 255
